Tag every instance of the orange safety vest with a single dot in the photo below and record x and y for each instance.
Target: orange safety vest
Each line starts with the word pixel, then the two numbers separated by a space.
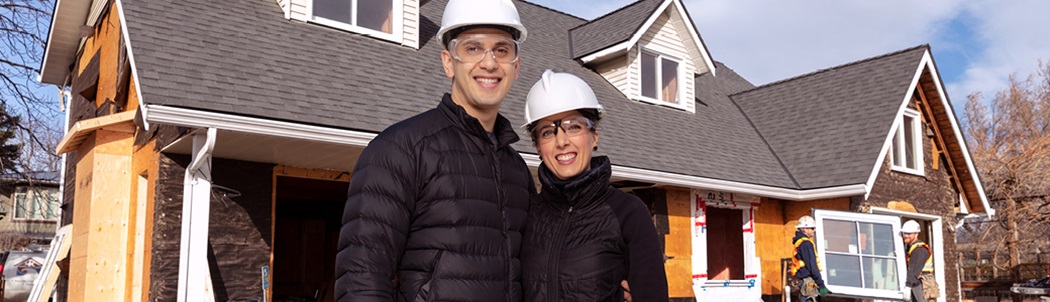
pixel 928 267
pixel 797 264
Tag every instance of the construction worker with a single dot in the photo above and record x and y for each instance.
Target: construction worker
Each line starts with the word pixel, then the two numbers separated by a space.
pixel 805 265
pixel 919 260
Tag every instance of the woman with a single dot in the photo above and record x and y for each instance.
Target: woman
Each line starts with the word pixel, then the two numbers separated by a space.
pixel 583 236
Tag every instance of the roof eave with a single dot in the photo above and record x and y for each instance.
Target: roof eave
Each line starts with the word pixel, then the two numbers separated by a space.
pixel 63 40
pixel 606 53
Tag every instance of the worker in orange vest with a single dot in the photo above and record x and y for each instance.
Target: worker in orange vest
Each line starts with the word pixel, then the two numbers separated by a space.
pixel 919 258
pixel 805 265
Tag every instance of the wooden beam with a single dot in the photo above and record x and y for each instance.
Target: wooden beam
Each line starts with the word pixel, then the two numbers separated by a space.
pixel 120 122
pixel 940 140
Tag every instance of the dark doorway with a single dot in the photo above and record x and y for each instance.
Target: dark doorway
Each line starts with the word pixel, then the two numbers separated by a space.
pixel 307 220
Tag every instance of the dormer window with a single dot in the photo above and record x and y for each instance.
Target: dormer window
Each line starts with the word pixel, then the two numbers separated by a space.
pixel 906 150
pixel 660 78
pixel 377 18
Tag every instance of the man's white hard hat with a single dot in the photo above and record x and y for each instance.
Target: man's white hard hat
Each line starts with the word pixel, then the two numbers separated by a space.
pixel 557 92
pixel 910 226
pixel 461 13
pixel 806 222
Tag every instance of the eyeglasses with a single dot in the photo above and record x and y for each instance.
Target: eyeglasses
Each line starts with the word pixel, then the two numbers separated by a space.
pixel 571 126
pixel 472 49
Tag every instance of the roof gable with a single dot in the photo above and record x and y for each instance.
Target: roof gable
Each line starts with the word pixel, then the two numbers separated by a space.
pixel 623 29
pixel 829 127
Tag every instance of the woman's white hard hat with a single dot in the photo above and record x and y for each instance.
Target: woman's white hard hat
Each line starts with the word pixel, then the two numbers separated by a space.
pixel 806 222
pixel 460 13
pixel 557 92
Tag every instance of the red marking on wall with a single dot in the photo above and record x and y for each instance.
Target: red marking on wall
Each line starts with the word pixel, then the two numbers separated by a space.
pixel 698 276
pixel 751 276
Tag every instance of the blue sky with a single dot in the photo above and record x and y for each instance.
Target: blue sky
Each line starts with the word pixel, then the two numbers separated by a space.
pixel 977 44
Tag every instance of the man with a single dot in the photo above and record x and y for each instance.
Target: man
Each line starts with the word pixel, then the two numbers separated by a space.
pixel 920 264
pixel 805 265
pixel 438 202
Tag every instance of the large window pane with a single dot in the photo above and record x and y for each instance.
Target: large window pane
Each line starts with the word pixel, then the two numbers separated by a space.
pixel 880 273
pixel 20 205
pixel 338 10
pixel 909 142
pixel 669 81
pixel 375 14
pixel 895 150
pixel 648 75
pixel 840 236
pixel 879 239
pixel 844 270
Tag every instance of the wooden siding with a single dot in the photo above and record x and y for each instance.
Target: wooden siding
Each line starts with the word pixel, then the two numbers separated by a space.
pixel 410 24
pixel 615 71
pixel 956 159
pixel 285 6
pixel 409 19
pixel 666 38
pixel 300 10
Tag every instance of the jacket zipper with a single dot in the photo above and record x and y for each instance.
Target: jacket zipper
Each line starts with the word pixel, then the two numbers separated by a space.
pixel 502 202
pixel 555 257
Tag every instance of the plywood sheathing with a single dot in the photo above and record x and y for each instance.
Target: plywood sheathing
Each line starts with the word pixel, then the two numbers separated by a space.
pixel 678 243
pixel 98 255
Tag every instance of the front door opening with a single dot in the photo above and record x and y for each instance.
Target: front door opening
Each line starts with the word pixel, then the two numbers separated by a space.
pixel 307 220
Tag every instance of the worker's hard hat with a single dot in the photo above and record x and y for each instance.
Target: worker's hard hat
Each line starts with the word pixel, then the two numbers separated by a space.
pixel 806 222
pixel 462 13
pixel 557 92
pixel 910 226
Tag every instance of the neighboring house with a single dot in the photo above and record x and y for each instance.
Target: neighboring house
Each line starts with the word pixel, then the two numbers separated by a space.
pixel 29 209
pixel 211 143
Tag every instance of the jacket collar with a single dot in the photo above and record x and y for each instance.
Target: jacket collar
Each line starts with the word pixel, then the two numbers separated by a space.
pixel 455 113
pixel 580 192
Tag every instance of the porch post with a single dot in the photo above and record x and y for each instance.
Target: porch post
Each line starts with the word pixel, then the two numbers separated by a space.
pixel 194 277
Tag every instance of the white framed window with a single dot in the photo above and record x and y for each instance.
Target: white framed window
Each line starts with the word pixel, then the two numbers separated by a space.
pixel 906 147
pixel 377 18
pixel 36 203
pixel 659 78
pixel 861 254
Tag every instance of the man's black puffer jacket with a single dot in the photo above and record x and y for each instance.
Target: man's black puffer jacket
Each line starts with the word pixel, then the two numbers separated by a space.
pixel 584 236
pixel 436 202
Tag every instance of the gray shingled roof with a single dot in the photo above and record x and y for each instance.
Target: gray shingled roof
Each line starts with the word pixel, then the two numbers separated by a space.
pixel 243 57
pixel 612 28
pixel 829 126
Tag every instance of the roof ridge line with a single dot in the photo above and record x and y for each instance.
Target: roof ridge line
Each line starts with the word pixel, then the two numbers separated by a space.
pixel 609 14
pixel 848 64
pixel 553 10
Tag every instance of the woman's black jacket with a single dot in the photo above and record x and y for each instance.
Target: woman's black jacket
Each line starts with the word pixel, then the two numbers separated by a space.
pixel 582 239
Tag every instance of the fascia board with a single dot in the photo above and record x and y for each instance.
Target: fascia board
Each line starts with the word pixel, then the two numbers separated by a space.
pixel 897 120
pixel 183 117
pixel 689 181
pixel 203 119
pixel 63 39
pixel 927 61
